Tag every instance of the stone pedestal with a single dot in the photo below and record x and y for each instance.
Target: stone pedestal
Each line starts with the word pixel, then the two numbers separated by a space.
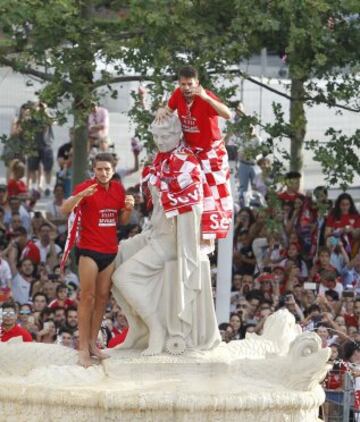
pixel 274 377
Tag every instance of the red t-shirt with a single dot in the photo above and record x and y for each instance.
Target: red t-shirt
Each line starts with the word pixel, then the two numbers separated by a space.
pixel 16 187
pixel 118 338
pixel 351 320
pixel 351 220
pixel 289 197
pixel 16 331
pixel 32 252
pixel 99 216
pixel 66 304
pixel 199 122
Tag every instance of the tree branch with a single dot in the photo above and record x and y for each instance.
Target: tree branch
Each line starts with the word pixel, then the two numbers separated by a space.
pixel 282 94
pixel 27 70
pixel 117 79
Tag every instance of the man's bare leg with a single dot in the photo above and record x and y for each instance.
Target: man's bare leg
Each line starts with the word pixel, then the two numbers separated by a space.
pixel 102 292
pixel 88 272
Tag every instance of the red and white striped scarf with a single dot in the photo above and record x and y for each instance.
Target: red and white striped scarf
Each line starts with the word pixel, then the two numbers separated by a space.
pixel 74 220
pixel 177 176
pixel 186 177
pixel 218 203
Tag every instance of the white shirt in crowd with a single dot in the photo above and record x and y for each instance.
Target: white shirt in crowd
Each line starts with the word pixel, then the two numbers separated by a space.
pixel 24 215
pixel 20 289
pixel 5 273
pixel 44 250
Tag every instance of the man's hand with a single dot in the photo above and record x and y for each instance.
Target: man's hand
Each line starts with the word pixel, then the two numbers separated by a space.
pixel 88 191
pixel 162 114
pixel 200 92
pixel 129 202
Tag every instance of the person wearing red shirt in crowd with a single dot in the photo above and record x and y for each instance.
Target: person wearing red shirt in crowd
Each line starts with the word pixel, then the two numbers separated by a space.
pixel 61 298
pixel 101 201
pixel 292 183
pixel 119 330
pixel 23 248
pixel 198 110
pixel 9 328
pixel 16 186
pixel 343 222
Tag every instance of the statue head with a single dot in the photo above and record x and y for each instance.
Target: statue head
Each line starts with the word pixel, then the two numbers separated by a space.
pixel 167 133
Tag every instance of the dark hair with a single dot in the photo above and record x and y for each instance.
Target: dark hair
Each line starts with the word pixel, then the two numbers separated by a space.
pixel 61 286
pixel 250 214
pixel 21 231
pixel 7 305
pixel 312 308
pixel 293 175
pixel 320 189
pixel 65 330
pixel 235 314
pixel 224 326
pixel 104 156
pixel 349 348
pixel 324 249
pixel 69 309
pixel 40 294
pixel 59 185
pixel 26 304
pixel 336 212
pixel 46 312
pixel 59 308
pixel 333 294
pixel 188 72
pixel 25 259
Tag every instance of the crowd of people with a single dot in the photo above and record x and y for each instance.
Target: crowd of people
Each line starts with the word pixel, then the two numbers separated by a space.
pixel 302 254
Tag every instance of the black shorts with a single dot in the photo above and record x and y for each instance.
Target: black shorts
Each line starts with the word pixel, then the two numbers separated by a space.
pixel 102 260
pixel 45 156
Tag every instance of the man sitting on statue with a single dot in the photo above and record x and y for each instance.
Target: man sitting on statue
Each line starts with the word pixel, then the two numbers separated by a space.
pixel 198 110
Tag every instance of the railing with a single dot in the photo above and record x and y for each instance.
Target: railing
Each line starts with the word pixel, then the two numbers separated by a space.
pixel 340 404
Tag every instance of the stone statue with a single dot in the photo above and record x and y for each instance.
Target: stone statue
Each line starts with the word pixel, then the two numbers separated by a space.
pixel 162 281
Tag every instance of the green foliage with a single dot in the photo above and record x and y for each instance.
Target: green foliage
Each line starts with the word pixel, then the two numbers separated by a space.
pixel 339 156
pixel 62 42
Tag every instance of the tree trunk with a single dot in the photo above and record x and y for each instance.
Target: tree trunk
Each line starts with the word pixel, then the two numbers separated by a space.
pixel 80 149
pixel 298 124
pixel 82 79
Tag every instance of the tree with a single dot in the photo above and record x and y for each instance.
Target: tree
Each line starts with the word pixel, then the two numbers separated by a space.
pixel 317 39
pixel 61 42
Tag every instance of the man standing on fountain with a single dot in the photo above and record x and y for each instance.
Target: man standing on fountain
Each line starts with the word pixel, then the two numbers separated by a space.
pixel 98 204
pixel 198 110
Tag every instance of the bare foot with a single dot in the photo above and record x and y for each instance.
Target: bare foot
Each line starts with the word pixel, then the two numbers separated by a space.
pixel 97 353
pixel 85 359
pixel 156 340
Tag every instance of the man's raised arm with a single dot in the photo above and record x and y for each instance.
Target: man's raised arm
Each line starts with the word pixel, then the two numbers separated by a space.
pixel 222 110
pixel 74 200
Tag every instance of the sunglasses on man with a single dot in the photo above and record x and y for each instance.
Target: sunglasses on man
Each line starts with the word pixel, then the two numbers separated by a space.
pixel 8 313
